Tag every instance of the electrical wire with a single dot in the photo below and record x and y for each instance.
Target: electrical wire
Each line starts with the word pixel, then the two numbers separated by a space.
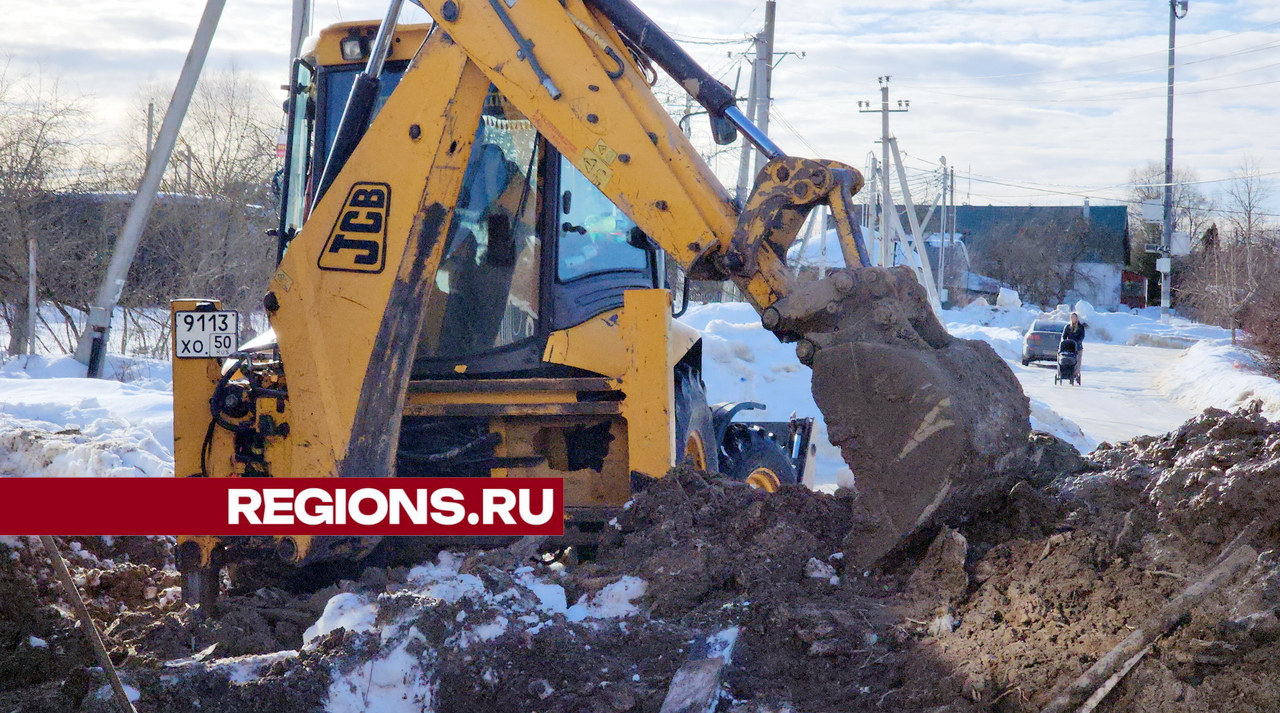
pixel 690 40
pixel 817 153
pixel 1133 94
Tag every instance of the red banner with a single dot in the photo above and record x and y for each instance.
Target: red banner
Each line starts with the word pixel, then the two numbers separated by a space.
pixel 281 506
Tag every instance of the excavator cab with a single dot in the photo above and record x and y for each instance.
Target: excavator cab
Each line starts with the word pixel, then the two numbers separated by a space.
pixel 535 250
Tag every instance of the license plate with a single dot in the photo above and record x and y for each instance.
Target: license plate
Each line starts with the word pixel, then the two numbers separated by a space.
pixel 201 335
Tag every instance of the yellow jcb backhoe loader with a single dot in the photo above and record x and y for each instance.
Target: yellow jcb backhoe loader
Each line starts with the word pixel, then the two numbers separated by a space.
pixel 475 217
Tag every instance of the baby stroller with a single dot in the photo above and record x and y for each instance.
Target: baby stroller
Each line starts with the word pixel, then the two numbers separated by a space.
pixel 1068 362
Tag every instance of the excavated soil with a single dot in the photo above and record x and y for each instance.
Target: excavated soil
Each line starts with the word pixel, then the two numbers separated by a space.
pixel 995 613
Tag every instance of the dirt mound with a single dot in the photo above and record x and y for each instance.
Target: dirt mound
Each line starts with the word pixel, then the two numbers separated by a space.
pixel 1106 547
pixel 994 614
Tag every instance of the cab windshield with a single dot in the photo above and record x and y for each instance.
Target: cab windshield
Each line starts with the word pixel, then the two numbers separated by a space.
pixel 336 89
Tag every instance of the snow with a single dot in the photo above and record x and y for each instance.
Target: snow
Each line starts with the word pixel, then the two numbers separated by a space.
pixel 1217 374
pixel 105 693
pixel 611 602
pixel 56 423
pixel 394 682
pixel 1119 397
pixel 1139 375
pixel 1007 298
pixel 720 645
pixel 399 677
pixel 238 669
pixel 343 611
pixel 37 643
pixel 244 669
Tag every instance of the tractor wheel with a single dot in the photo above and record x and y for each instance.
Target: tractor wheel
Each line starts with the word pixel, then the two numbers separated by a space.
pixel 695 434
pixel 753 457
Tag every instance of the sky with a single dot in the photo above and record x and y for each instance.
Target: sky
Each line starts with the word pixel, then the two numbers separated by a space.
pixel 1032 101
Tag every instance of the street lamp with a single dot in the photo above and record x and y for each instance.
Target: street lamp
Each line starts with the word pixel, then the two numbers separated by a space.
pixel 1177 11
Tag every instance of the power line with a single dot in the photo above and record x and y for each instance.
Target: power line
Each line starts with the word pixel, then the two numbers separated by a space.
pixel 813 149
pixel 690 40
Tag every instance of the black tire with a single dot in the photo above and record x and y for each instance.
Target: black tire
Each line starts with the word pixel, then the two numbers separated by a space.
pixel 748 449
pixel 693 416
pixel 1026 362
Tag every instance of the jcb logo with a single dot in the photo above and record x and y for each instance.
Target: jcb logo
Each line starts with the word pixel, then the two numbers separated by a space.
pixel 358 241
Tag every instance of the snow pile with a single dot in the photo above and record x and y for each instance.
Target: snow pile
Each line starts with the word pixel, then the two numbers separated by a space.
pixel 1008 298
pixel 1001 327
pixel 818 250
pixel 1046 420
pixel 1138 327
pixel 994 324
pixel 474 607
pixel 744 362
pixel 56 423
pixel 1218 375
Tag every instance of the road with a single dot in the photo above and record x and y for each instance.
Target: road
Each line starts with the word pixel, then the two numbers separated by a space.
pixel 1118 398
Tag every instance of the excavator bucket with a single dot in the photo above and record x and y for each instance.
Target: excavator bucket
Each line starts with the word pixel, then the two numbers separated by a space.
pixel 930 424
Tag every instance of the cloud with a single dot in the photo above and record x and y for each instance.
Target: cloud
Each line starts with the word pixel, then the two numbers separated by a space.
pixel 1051 92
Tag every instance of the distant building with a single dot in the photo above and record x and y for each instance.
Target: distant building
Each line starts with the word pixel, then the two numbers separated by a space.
pixel 1105 249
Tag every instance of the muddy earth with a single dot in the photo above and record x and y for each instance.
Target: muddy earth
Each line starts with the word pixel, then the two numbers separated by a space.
pixel 997 612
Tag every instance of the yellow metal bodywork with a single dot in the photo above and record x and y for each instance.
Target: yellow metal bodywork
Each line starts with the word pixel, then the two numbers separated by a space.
pixel 329 321
pixel 347 321
pixel 405 43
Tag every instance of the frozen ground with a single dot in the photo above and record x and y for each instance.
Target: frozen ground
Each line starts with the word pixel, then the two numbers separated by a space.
pixel 1119 396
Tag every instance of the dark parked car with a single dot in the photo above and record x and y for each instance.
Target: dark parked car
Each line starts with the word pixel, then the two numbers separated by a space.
pixel 1041 341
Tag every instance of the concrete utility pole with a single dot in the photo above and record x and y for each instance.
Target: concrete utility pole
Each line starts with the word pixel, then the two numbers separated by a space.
pixel 744 160
pixel 1165 263
pixel 758 97
pixel 33 295
pixel 92 348
pixel 952 230
pixel 300 27
pixel 886 200
pixel 942 242
pixel 151 126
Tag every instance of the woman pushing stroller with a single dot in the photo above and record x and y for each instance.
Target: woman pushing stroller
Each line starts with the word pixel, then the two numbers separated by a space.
pixel 1071 351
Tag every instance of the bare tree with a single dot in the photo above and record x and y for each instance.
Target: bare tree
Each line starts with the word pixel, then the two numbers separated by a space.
pixel 39 125
pixel 1192 209
pixel 1040 260
pixel 1233 269
pixel 207 235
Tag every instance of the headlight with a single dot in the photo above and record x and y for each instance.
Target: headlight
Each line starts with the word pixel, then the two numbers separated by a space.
pixel 352 48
